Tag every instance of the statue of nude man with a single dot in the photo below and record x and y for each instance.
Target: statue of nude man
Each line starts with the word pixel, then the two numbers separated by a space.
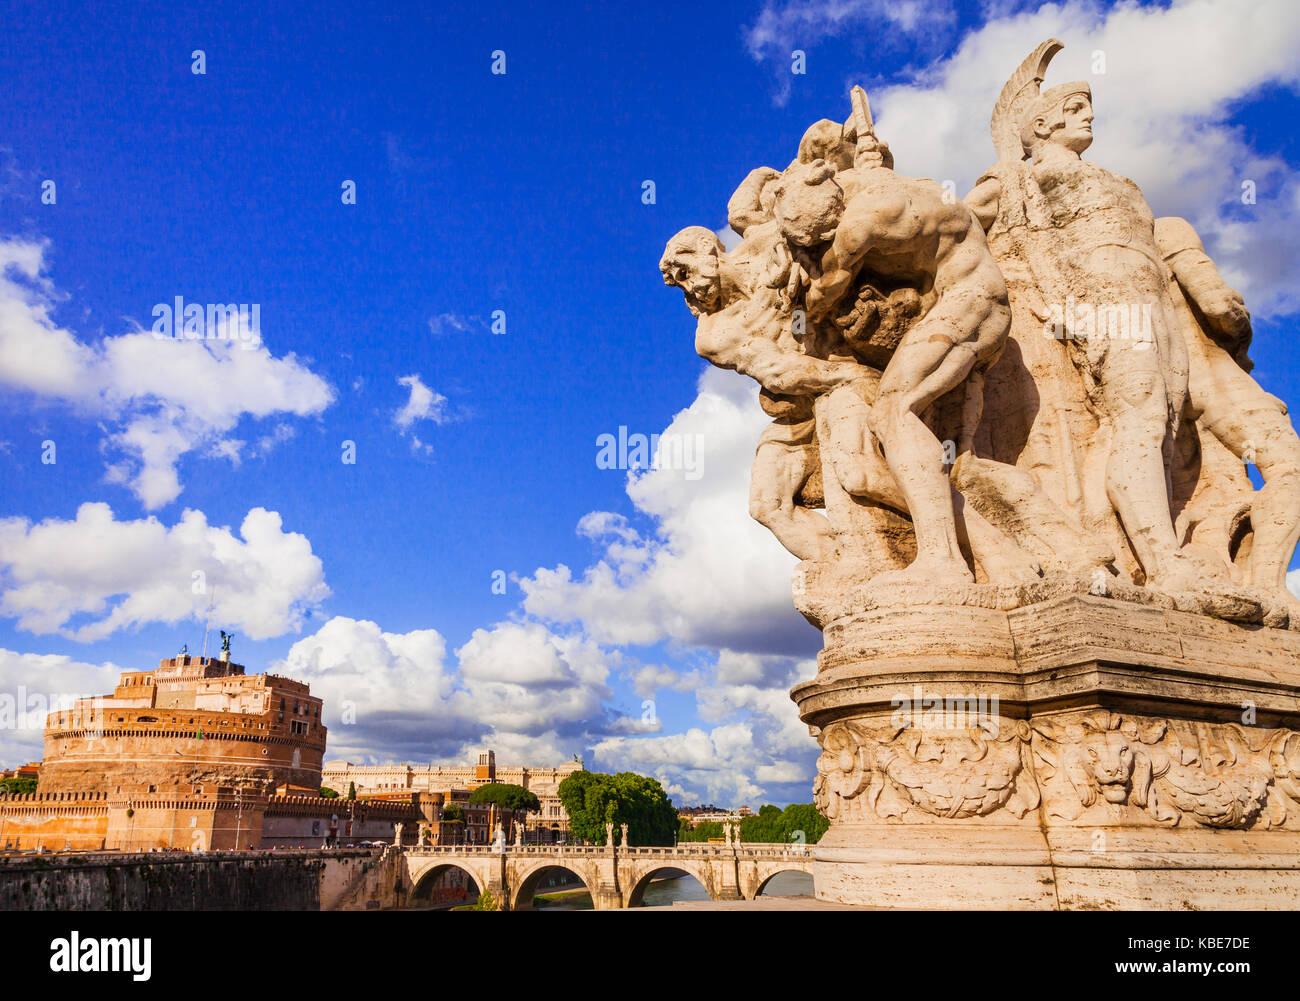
pixel 905 231
pixel 1251 423
pixel 744 325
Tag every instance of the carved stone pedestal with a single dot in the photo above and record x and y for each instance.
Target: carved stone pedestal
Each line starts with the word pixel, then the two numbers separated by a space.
pixel 1079 752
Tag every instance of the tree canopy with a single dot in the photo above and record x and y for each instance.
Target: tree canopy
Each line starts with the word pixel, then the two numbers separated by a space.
pixel 592 800
pixel 18 786
pixel 327 793
pixel 516 799
pixel 770 825
pixel 453 813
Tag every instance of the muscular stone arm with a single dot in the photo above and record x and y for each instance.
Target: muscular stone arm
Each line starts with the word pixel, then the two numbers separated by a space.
pixel 792 374
pixel 772 367
pixel 983 201
pixel 870 216
pixel 746 209
pixel 1221 305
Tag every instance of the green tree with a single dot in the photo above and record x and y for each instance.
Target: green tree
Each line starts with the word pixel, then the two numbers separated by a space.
pixel 764 826
pixel 803 817
pixel 518 800
pixel 18 786
pixel 352 790
pixel 454 812
pixel 593 799
pixel 327 793
pixel 774 825
pixel 705 830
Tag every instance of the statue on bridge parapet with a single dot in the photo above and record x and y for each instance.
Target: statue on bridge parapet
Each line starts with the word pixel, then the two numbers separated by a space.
pixel 627 842
pixel 876 318
pixel 1009 440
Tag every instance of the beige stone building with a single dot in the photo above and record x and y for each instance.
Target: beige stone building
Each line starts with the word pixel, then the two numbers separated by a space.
pixel 455 781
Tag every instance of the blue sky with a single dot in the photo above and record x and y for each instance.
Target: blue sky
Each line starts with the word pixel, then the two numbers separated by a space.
pixel 646 622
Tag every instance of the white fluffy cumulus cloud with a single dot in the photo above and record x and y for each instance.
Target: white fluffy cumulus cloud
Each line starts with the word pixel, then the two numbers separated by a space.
pixel 718 766
pixel 158 398
pixel 757 750
pixel 708 575
pixel 705 577
pixel 531 694
pixel 89 576
pixel 32 685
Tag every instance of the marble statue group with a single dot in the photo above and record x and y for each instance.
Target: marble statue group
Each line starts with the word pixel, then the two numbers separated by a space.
pixel 1010 444
pixel 1040 385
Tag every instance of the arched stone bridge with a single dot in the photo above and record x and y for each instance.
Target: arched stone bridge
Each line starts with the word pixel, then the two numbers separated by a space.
pixel 616 877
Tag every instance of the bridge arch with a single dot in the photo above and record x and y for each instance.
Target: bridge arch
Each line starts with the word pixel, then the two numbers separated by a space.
pixel 422 878
pixel 766 872
pixel 526 880
pixel 642 874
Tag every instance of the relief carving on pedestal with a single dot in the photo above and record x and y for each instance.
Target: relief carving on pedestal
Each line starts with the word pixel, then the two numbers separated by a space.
pixel 1116 767
pixel 1101 767
pixel 870 771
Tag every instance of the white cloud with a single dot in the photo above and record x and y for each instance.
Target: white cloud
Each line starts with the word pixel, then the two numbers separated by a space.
pixel 160 398
pixel 531 694
pixel 386 694
pixel 450 323
pixel 783 27
pixel 651 678
pixel 93 575
pixel 716 766
pixel 758 751
pixel 35 353
pixel 539 697
pixel 32 685
pixel 523 678
pixel 710 576
pixel 422 405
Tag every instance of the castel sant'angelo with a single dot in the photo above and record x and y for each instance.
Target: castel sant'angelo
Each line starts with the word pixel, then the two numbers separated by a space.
pixel 195 721
pixel 194 755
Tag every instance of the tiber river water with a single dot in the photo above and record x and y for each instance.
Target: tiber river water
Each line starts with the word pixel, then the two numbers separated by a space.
pixel 666 892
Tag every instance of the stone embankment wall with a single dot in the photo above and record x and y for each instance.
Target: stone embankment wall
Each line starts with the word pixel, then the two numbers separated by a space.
pixel 223 881
pixel 352 883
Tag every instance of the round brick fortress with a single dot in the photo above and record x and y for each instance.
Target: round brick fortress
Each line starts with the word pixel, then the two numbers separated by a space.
pixel 194 725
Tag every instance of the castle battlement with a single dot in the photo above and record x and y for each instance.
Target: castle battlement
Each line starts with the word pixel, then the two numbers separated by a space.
pixel 358 809
pixel 41 798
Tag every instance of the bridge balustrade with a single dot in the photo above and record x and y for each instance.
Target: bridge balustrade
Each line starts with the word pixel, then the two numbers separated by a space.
pixel 690 850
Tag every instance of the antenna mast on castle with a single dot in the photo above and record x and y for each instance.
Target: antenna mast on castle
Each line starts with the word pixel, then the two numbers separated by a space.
pixel 208 620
